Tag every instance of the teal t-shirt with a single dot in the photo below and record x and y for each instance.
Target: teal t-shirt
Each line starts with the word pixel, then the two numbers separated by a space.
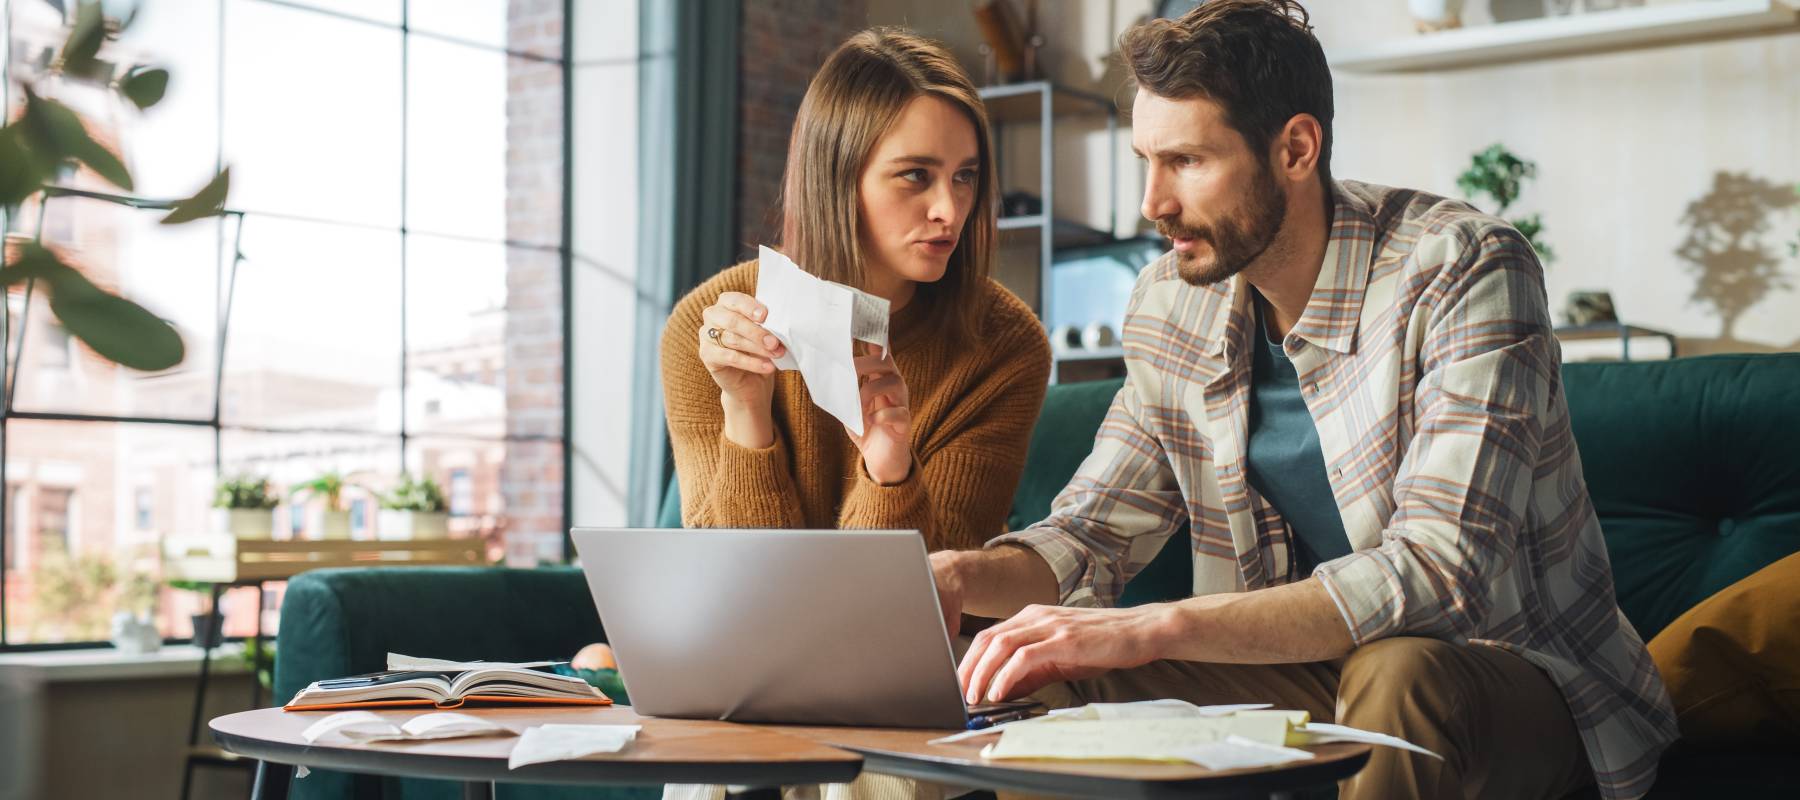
pixel 1286 464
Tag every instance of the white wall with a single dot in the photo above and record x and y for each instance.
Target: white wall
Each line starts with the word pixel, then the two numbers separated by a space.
pixel 1624 142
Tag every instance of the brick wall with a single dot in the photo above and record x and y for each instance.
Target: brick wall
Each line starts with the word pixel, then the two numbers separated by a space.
pixel 531 481
pixel 781 45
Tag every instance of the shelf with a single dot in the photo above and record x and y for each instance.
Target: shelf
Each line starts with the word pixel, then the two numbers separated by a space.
pixel 1064 233
pixel 1097 354
pixel 1023 102
pixel 1576 34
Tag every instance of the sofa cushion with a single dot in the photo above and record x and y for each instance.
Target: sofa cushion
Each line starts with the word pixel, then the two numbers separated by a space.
pixel 1694 469
pixel 1732 663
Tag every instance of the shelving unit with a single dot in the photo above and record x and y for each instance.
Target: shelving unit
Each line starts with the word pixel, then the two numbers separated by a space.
pixel 1588 32
pixel 1041 103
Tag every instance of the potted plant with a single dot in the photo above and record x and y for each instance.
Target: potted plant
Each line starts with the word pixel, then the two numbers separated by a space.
pixel 335 521
pixel 1500 174
pixel 205 633
pixel 415 509
pixel 243 507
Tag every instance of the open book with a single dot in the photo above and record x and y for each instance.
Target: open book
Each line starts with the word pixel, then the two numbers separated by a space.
pixel 499 683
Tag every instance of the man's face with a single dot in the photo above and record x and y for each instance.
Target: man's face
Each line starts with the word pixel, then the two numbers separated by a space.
pixel 1205 188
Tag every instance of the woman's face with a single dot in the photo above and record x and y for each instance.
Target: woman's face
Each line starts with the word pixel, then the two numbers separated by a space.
pixel 914 194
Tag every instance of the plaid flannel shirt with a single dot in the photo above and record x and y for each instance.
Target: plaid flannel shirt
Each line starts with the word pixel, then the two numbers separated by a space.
pixel 1426 358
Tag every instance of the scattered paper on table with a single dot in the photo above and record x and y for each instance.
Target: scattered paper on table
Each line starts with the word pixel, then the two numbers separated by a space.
pixel 1153 709
pixel 1216 737
pixel 1237 752
pixel 817 320
pixel 366 726
pixel 1322 732
pixel 543 743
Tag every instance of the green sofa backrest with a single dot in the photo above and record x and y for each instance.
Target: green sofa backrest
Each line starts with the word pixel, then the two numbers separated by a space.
pixel 1694 468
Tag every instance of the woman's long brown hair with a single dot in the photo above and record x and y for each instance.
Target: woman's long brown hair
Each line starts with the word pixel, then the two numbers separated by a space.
pixel 853 100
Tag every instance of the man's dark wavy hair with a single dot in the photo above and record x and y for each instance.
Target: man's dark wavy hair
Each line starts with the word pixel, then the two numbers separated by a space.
pixel 1256 58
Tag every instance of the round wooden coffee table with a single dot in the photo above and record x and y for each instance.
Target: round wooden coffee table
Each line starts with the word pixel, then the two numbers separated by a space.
pixel 666 751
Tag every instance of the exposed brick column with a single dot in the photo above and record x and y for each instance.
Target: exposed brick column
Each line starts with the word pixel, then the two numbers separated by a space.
pixel 531 482
pixel 783 42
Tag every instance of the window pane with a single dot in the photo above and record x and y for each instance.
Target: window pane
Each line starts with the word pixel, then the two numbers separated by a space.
pixel 484 144
pixel 88 505
pixel 312 114
pixel 456 140
pixel 287 460
pixel 605 32
pixel 169 269
pixel 467 472
pixel 314 336
pixel 456 324
pixel 383 11
pixel 534 28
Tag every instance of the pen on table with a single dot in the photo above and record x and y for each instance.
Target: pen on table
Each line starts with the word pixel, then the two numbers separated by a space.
pixel 980 721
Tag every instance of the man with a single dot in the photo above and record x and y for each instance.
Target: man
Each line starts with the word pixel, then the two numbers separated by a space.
pixel 1352 396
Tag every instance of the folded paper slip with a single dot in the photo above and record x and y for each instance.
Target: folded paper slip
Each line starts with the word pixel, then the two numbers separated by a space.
pixel 817 321
pixel 506 684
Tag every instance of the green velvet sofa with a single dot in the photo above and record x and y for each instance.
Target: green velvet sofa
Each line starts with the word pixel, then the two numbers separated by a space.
pixel 1694 466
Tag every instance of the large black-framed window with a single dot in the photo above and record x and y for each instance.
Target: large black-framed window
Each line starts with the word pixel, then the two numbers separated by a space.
pixel 388 295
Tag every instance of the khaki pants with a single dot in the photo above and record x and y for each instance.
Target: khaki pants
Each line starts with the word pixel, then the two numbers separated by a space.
pixel 1499 722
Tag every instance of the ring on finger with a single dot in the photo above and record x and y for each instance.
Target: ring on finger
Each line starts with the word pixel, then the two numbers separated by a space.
pixel 714 333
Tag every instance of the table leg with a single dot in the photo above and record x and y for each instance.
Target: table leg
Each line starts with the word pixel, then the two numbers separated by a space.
pixel 256 651
pixel 478 790
pixel 271 781
pixel 214 619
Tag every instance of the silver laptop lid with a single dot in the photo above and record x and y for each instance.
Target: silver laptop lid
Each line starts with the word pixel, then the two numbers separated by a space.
pixel 780 626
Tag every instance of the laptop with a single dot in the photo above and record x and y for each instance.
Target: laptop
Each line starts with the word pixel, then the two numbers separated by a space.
pixel 776 626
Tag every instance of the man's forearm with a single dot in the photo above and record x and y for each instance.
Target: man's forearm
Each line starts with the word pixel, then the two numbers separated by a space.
pixel 1288 624
pixel 998 582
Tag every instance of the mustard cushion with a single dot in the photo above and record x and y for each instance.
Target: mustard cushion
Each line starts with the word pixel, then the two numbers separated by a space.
pixel 1732 663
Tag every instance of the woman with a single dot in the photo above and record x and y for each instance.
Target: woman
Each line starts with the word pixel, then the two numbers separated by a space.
pixel 889 188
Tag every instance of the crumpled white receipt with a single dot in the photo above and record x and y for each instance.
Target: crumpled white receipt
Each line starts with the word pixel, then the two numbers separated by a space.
pixel 817 320
pixel 562 742
pixel 366 726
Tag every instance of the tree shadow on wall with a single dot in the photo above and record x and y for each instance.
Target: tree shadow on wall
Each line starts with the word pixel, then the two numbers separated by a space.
pixel 1725 246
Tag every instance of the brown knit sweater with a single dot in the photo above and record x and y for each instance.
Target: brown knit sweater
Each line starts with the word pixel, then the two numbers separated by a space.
pixel 973 408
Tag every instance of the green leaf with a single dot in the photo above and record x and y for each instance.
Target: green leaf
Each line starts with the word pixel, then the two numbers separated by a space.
pixel 119 330
pixel 85 38
pixel 208 202
pixel 21 171
pixel 56 133
pixel 144 86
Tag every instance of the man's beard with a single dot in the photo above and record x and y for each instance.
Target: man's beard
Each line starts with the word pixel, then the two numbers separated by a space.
pixel 1238 240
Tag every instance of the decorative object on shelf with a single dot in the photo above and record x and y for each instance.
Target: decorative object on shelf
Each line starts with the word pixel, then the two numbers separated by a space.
pixel 206 634
pixel 1064 339
pixel 134 634
pixel 1020 204
pixel 1587 308
pixel 1098 335
pixel 243 507
pixel 1431 16
pixel 46 141
pixel 334 522
pixel 1009 47
pixel 1499 174
pixel 415 509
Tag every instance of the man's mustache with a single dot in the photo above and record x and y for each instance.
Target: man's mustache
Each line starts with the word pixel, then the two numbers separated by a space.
pixel 1175 230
